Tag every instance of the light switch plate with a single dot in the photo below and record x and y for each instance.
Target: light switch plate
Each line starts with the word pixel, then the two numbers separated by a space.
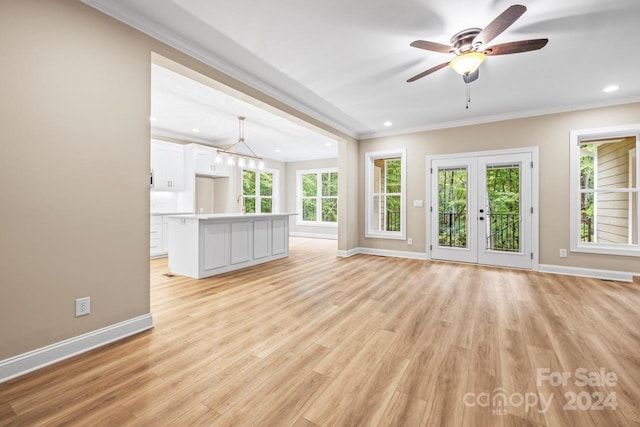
pixel 418 203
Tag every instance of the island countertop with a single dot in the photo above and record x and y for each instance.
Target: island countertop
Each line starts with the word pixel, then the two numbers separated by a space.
pixel 230 215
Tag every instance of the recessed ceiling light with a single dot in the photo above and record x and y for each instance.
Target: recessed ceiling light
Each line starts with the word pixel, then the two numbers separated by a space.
pixel 387 123
pixel 611 88
pixel 277 150
pixel 195 130
pixel 152 119
pixel 328 144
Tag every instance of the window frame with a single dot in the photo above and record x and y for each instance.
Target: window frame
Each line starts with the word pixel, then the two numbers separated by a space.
pixel 274 189
pixel 576 138
pixel 369 159
pixel 318 172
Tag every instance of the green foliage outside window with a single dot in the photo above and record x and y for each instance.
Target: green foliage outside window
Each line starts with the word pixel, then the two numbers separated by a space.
pixel 587 178
pixel 257 191
pixel 391 172
pixel 325 197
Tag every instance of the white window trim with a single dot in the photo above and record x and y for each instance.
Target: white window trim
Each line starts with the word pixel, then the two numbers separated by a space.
pixel 274 188
pixel 576 136
pixel 319 172
pixel 369 173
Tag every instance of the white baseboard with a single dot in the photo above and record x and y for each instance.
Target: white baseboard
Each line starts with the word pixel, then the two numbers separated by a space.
pixel 39 358
pixel 313 235
pixel 395 254
pixel 587 272
pixel 348 253
pixel 383 252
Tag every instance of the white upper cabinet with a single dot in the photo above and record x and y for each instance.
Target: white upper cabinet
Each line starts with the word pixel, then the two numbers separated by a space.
pixel 167 166
pixel 204 161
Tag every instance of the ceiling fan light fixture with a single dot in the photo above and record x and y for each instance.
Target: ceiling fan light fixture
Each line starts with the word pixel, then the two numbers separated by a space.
pixel 467 63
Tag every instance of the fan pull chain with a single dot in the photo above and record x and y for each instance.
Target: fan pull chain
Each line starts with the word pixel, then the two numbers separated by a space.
pixel 468 95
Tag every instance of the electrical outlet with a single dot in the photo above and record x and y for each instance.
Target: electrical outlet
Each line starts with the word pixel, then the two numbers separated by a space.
pixel 83 306
pixel 410 241
pixel 563 253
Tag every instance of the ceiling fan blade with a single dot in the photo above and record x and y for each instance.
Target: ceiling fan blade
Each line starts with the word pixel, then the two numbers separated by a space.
pixel 426 73
pixel 501 23
pixel 516 47
pixel 432 46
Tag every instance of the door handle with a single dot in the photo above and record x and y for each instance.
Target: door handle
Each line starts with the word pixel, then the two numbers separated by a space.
pixel 481 218
pixel 481 210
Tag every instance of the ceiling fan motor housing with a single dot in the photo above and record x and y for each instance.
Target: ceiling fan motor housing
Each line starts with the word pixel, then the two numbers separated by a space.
pixel 463 41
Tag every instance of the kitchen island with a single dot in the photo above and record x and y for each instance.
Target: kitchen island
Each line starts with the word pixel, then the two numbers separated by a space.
pixel 205 245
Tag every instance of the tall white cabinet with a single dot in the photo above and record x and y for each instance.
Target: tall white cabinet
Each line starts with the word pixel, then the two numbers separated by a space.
pixel 167 166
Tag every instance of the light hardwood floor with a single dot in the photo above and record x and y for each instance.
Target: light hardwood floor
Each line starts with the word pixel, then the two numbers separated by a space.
pixel 318 340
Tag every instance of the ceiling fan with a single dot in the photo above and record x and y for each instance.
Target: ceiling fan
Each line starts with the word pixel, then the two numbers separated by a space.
pixel 470 46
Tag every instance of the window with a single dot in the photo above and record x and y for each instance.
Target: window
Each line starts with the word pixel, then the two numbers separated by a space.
pixel 385 194
pixel 258 191
pixel 604 191
pixel 317 196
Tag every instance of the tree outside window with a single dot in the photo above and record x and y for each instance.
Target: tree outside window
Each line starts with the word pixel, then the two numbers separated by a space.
pixel 318 196
pixel 257 191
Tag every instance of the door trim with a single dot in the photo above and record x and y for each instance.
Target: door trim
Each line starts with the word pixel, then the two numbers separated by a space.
pixel 535 189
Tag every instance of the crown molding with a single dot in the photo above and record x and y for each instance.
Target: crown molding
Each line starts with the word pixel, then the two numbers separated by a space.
pixel 158 32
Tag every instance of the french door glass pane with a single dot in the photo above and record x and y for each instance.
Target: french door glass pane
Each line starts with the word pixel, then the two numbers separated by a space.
pixel 503 208
pixel 452 207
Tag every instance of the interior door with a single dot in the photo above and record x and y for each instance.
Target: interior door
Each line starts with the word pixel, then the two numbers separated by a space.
pixel 481 209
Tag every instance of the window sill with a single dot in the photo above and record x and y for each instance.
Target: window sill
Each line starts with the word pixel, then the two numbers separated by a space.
pixel 317 224
pixel 620 250
pixel 386 235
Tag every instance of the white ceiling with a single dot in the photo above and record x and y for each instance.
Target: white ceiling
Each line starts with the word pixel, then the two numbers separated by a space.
pixel 346 62
pixel 186 109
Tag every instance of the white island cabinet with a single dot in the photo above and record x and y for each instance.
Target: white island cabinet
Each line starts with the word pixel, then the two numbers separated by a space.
pixel 205 245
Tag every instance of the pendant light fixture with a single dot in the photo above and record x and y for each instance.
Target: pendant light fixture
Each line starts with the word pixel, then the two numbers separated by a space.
pixel 242 158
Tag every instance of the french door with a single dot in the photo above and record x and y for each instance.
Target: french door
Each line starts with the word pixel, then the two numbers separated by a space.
pixel 481 209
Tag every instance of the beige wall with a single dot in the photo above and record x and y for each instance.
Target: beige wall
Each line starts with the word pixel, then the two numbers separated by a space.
pixel 550 133
pixel 204 194
pixel 291 188
pixel 349 209
pixel 74 161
